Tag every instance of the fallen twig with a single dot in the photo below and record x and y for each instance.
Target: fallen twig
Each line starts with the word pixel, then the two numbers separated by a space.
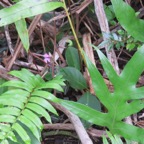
pixel 80 130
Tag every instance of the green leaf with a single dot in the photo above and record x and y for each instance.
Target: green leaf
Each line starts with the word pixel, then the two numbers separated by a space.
pixel 55 83
pixel 111 73
pixel 133 69
pixel 90 100
pixel 111 137
pixel 105 140
pixel 25 76
pixel 114 139
pixel 15 95
pixel 2 135
pixel 74 77
pixel 109 13
pixel 23 105
pixel 5 127
pixel 8 97
pixel 130 46
pixel 118 139
pixel 29 78
pixel 16 0
pixel 33 139
pixel 26 8
pixel 23 33
pixel 72 57
pixel 30 125
pixel 2 89
pixel 11 102
pixel 99 85
pixel 39 110
pixel 7 118
pixel 85 112
pixel 124 101
pixel 10 111
pixel 50 84
pixel 128 20
pixel 46 95
pixel 18 84
pixel 129 131
pixel 42 102
pixel 135 93
pixel 18 92
pixel 22 133
pixel 137 104
pixel 5 142
pixel 33 117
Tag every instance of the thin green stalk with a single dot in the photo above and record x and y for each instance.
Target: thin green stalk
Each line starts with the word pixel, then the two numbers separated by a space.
pixel 73 31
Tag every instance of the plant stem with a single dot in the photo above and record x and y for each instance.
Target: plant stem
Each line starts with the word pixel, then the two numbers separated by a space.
pixel 73 31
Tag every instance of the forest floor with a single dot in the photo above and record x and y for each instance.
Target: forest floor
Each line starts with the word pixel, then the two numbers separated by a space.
pixel 50 35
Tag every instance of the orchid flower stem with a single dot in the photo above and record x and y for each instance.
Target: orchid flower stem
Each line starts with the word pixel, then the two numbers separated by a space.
pixel 73 31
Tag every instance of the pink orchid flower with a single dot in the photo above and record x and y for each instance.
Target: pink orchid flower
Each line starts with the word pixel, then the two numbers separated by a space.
pixel 47 57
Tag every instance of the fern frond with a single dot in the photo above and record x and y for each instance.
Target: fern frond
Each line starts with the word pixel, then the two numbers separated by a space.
pixel 24 104
pixel 125 100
